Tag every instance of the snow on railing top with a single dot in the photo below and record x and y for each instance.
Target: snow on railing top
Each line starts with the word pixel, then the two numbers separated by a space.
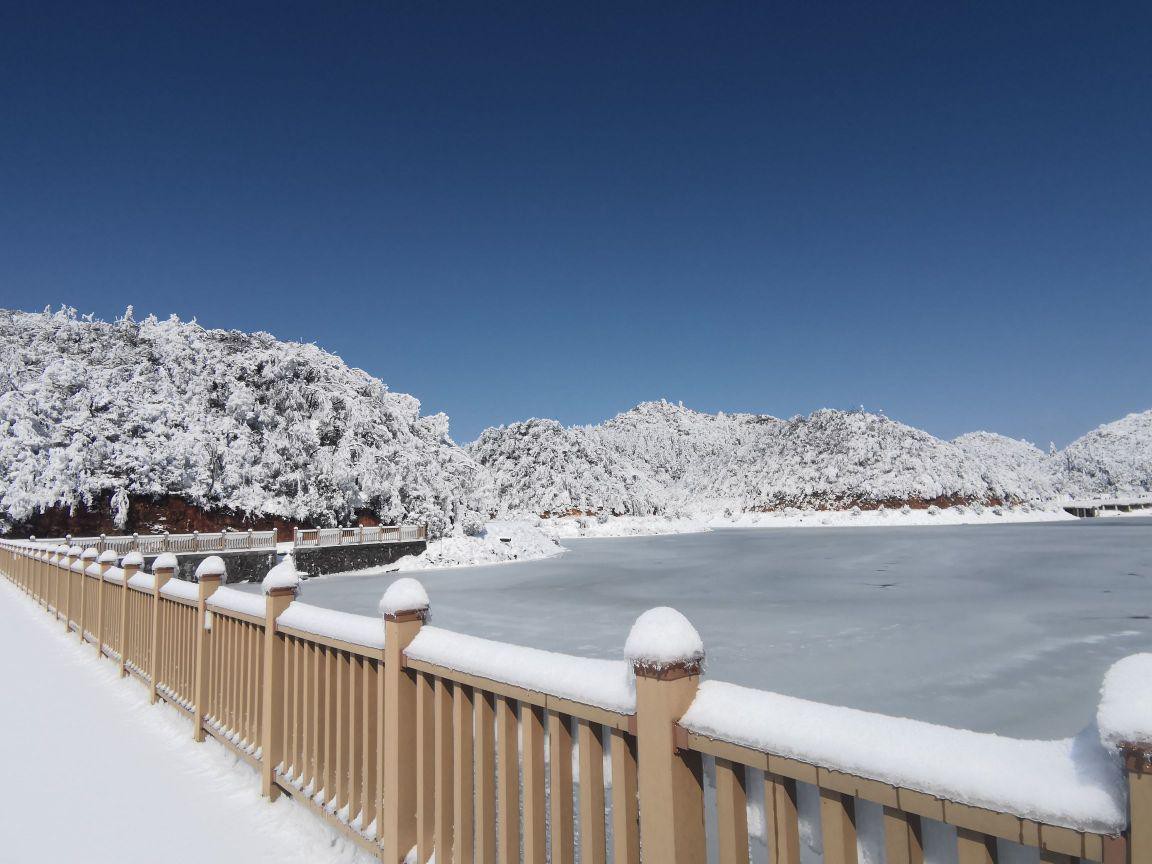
pixel 343 626
pixel 1074 782
pixel 606 684
pixel 231 600
pixel 180 590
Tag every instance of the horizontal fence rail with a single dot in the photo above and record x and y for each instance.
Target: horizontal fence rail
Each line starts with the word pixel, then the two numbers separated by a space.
pixel 415 741
pixel 235 541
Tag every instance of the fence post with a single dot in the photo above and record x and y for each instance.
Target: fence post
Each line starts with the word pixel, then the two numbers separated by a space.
pixel 405 609
pixel 42 577
pixel 280 588
pixel 89 554
pixel 49 585
pixel 103 564
pixel 66 585
pixel 208 579
pixel 131 564
pixel 163 569
pixel 667 656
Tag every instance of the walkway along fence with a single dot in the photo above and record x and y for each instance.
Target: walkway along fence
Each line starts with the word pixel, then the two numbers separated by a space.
pixel 409 737
pixel 237 541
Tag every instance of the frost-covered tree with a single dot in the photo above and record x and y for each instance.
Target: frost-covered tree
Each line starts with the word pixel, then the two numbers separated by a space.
pixel 1115 458
pixel 92 410
pixel 541 467
pixel 1013 469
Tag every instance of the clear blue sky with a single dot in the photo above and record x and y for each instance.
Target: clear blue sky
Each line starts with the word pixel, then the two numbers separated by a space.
pixel 943 211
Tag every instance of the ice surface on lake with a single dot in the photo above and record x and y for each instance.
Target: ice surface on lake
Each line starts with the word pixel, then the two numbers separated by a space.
pixel 1004 629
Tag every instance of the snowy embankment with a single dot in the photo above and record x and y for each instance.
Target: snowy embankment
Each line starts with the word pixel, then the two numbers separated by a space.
pixel 133 758
pixel 888 517
pixel 497 543
pixel 572 527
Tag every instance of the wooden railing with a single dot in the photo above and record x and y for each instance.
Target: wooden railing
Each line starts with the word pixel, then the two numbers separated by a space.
pixel 235 541
pixel 402 750
pixel 349 536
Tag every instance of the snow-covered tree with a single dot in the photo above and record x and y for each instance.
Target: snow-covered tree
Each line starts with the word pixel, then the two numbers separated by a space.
pixel 1115 458
pixel 223 419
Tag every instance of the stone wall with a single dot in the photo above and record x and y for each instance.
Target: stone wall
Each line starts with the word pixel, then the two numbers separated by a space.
pixel 319 560
pixel 242 566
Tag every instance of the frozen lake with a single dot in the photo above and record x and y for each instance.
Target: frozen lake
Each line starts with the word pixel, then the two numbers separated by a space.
pixel 997 628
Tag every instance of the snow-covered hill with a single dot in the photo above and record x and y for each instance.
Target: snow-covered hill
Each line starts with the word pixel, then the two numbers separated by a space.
pixel 1012 468
pixel 1115 458
pixel 539 466
pixel 840 459
pixel 680 449
pixel 668 459
pixel 96 414
pixel 132 419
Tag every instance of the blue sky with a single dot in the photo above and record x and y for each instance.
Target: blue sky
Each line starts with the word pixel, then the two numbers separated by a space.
pixel 941 211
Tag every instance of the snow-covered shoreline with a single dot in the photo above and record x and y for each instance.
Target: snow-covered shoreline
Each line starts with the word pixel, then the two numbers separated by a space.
pixel 887 517
pixel 512 541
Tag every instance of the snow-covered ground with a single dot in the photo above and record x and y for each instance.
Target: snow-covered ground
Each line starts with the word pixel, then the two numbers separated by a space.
pixel 1003 628
pixel 94 773
pixel 509 540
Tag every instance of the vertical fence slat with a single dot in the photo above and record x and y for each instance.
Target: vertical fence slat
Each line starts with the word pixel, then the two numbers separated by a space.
pixel 368 737
pixel 731 812
pixel 838 827
pixel 560 787
pixel 975 848
pixel 625 807
pixel 533 724
pixel 507 757
pixel 425 766
pixel 782 818
pixel 902 842
pixel 463 774
pixel 356 751
pixel 592 809
pixel 443 775
pixel 485 753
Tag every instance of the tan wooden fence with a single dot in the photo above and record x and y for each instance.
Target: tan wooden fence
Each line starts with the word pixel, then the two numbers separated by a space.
pixel 402 752
pixel 235 541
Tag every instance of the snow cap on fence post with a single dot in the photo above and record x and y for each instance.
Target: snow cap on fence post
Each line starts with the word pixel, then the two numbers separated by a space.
pixel 166 561
pixel 1124 715
pixel 90 554
pixel 133 559
pixel 107 557
pixel 283 577
pixel 1124 718
pixel 212 567
pixel 663 642
pixel 405 599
